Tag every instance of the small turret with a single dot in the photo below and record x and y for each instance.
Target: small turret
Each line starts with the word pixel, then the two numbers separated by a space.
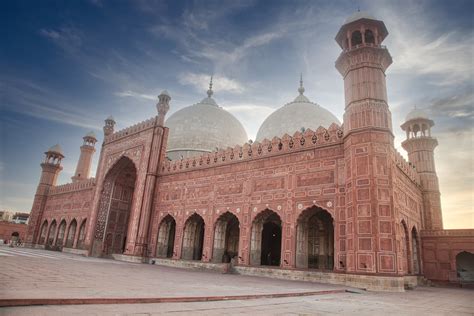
pixel 163 106
pixel 109 126
pixel 85 159
pixel 420 147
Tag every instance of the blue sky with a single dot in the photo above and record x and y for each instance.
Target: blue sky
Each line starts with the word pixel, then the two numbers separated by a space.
pixel 66 65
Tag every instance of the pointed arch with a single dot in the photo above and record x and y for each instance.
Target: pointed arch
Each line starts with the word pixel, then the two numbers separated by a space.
pixel 315 239
pixel 71 233
pixel 226 238
pixel 82 234
pixel 405 248
pixel 193 238
pixel 465 266
pixel 415 251
pixel 51 233
pixel 43 233
pixel 369 37
pixel 61 233
pixel 265 242
pixel 115 204
pixel 356 38
pixel 166 237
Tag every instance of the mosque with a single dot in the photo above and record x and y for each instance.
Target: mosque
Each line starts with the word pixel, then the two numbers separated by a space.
pixel 311 198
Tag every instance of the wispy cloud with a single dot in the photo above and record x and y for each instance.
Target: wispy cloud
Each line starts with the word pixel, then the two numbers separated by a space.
pixel 421 49
pixel 133 94
pixel 68 38
pixel 200 82
pixel 29 98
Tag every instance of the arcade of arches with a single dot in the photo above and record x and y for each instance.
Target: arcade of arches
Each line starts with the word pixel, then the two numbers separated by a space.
pixel 66 235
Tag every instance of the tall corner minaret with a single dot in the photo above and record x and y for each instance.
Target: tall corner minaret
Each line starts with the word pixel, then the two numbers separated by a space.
pixel 420 146
pixel 367 239
pixel 51 167
pixel 362 64
pixel 85 159
pixel 109 126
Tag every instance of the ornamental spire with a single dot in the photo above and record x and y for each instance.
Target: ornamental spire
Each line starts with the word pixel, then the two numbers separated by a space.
pixel 210 92
pixel 301 88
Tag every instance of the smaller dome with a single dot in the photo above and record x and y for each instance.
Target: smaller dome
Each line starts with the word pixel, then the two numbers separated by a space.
pixel 357 16
pixel 91 134
pixel 110 118
pixel 416 114
pixel 295 116
pixel 56 149
pixel 165 92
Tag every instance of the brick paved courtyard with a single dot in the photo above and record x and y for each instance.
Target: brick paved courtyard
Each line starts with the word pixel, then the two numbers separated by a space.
pixel 27 274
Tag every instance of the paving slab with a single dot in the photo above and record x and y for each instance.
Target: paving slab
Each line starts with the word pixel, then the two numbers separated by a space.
pixel 34 274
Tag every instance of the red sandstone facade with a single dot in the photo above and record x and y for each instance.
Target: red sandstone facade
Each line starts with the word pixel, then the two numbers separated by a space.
pixel 338 199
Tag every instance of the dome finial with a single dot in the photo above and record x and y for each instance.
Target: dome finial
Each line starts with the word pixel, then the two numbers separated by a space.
pixel 301 88
pixel 210 92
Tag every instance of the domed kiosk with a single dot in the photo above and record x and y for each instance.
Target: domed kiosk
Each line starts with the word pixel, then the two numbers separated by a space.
pixel 201 128
pixel 295 116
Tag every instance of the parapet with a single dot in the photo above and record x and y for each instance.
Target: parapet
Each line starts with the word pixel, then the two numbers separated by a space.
pixel 406 167
pixel 75 186
pixel 257 150
pixel 131 130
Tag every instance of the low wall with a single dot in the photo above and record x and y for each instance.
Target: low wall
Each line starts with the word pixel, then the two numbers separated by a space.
pixel 126 258
pixel 75 251
pixel 7 229
pixel 198 265
pixel 368 282
pixel 440 248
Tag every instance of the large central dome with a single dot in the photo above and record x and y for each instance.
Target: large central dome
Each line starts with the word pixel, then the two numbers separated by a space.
pixel 295 116
pixel 201 128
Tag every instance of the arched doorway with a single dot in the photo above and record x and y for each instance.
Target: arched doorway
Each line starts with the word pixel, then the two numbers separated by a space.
pixel 415 251
pixel 51 233
pixel 82 235
pixel 315 239
pixel 405 246
pixel 15 237
pixel 465 266
pixel 226 238
pixel 61 233
pixel 166 234
pixel 193 239
pixel 71 234
pixel 265 243
pixel 114 209
pixel 42 236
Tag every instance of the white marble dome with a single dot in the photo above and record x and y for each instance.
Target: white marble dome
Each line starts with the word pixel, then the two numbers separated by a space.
pixel 416 114
pixel 202 128
pixel 294 116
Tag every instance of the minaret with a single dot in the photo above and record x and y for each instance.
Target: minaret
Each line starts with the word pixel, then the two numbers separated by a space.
pixel 51 167
pixel 420 146
pixel 362 64
pixel 109 126
pixel 367 240
pixel 163 106
pixel 85 159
